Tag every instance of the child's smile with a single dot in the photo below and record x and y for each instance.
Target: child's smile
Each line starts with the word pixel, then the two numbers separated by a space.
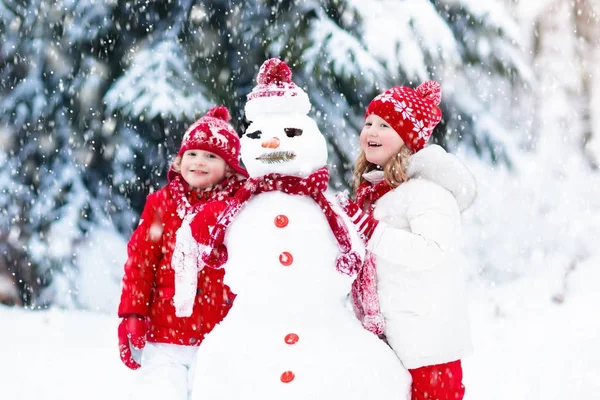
pixel 379 140
pixel 202 169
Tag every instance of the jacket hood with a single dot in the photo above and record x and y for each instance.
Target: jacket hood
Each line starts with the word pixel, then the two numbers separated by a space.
pixel 435 164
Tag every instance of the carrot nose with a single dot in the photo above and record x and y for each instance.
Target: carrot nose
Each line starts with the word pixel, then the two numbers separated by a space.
pixel 271 143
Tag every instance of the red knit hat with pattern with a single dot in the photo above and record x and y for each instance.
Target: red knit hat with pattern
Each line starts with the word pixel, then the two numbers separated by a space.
pixel 213 133
pixel 412 113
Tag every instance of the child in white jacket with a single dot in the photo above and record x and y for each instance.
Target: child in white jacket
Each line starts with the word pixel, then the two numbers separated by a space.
pixel 408 203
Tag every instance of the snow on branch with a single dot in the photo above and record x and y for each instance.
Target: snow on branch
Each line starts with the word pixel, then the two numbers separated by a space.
pixel 488 34
pixel 332 45
pixel 85 20
pixel 491 14
pixel 27 99
pixel 407 35
pixel 6 14
pixel 158 82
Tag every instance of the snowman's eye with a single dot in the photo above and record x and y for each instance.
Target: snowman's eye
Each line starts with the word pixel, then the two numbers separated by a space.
pixel 254 135
pixel 293 132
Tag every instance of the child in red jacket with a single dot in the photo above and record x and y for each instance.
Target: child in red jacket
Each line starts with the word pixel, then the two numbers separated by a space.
pixel 205 168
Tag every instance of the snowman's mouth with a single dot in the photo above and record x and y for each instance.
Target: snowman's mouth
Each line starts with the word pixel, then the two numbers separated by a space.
pixel 277 157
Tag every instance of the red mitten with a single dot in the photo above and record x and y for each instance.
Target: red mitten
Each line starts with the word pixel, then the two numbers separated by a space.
pixel 217 257
pixel 132 333
pixel 364 222
pixel 205 220
pixel 209 234
pixel 439 382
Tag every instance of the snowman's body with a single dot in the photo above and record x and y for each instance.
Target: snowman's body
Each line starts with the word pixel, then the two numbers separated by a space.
pixel 290 333
pixel 290 315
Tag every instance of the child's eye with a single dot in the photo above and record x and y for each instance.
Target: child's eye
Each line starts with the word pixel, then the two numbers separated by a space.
pixel 384 125
pixel 211 155
pixel 192 154
pixel 254 135
pixel 368 124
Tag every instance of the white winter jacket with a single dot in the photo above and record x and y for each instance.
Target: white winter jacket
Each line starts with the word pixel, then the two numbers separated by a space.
pixel 421 288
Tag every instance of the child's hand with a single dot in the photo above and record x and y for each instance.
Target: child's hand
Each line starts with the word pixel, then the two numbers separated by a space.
pixel 217 257
pixel 364 222
pixel 132 333
pixel 209 234
pixel 204 225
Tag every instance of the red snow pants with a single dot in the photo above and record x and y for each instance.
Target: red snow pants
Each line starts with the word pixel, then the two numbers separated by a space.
pixel 438 382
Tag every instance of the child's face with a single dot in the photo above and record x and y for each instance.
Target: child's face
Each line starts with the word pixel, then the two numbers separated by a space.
pixel 379 140
pixel 202 169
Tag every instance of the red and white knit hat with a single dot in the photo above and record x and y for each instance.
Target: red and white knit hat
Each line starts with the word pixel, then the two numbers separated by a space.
pixel 412 113
pixel 275 92
pixel 213 133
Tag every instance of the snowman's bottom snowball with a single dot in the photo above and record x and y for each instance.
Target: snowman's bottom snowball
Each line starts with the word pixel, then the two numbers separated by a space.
pixel 332 359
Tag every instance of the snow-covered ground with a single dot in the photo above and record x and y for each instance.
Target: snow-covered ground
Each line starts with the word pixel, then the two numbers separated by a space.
pixel 527 346
pixel 60 355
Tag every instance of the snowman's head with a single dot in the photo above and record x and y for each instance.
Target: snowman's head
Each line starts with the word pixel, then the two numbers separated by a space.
pixel 290 145
pixel 281 138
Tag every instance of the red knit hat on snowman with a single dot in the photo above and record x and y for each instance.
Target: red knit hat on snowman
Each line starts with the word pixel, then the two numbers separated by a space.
pixel 276 93
pixel 412 113
pixel 213 133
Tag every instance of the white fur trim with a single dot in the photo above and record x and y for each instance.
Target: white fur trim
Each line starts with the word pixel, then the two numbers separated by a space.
pixel 435 164
pixel 373 177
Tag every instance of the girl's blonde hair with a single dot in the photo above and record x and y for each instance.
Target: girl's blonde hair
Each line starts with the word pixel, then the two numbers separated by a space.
pixel 394 171
pixel 176 164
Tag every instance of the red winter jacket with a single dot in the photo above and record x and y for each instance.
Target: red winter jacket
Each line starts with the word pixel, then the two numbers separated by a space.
pixel 149 283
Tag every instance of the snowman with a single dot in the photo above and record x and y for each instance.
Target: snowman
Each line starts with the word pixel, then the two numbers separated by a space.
pixel 291 261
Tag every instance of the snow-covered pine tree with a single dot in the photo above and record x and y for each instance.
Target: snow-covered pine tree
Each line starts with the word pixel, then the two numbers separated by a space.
pixel 46 202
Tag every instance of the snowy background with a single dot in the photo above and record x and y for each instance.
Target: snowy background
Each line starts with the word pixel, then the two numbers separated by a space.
pixel 529 130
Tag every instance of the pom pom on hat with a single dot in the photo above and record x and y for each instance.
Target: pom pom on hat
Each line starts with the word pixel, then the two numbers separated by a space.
pixel 411 113
pixel 274 70
pixel 432 91
pixel 276 93
pixel 219 112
